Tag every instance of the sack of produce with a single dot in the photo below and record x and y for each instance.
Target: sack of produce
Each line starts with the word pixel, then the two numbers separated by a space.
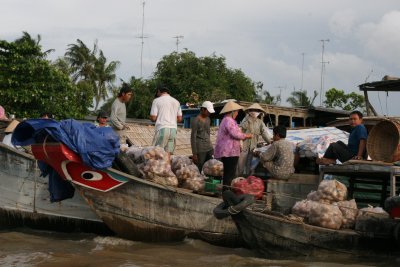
pixel 196 183
pixel 170 180
pixel 213 167
pixel 332 191
pixel 325 215
pixel 187 172
pixel 179 161
pixel 252 185
pixel 349 211
pixel 372 212
pixel 154 152
pixel 136 153
pixel 302 208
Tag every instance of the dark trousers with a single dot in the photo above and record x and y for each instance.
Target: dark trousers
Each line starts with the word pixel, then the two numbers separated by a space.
pixel 340 151
pixel 230 164
pixel 203 157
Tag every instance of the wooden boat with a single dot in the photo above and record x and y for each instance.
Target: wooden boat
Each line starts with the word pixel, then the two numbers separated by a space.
pixel 25 199
pixel 275 234
pixel 138 209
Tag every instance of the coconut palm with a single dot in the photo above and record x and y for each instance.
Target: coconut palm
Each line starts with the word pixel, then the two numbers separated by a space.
pixel 105 76
pixel 300 99
pixel 90 66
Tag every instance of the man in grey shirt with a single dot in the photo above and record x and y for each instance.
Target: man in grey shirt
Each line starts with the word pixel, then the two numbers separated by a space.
pixel 202 148
pixel 118 112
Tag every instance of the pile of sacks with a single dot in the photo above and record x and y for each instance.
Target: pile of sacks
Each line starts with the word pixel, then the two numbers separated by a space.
pixel 157 166
pixel 188 174
pixel 327 207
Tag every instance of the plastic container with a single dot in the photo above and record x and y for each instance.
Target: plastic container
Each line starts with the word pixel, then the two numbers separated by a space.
pixel 211 185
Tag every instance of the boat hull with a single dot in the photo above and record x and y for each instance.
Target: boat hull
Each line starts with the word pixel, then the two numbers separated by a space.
pixel 25 199
pixel 273 235
pixel 145 211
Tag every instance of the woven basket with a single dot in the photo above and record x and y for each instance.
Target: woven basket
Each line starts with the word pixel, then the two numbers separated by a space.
pixel 383 141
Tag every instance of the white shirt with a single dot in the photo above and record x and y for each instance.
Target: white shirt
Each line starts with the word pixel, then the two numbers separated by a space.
pixel 167 109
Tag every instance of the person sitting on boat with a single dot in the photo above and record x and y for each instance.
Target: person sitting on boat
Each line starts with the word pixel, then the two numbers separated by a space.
pixel 46 115
pixel 2 114
pixel 254 125
pixel 166 113
pixel 202 148
pixel 118 112
pixel 101 120
pixel 279 158
pixel 356 148
pixel 227 146
pixel 8 134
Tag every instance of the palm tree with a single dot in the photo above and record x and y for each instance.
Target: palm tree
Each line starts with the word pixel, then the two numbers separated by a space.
pixel 81 60
pixel 105 76
pixel 89 66
pixel 300 99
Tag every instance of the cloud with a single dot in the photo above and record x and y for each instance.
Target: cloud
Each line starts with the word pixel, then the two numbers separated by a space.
pixel 342 22
pixel 381 40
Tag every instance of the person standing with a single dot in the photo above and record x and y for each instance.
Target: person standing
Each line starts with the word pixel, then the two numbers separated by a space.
pixel 202 148
pixel 166 113
pixel 254 125
pixel 227 147
pixel 118 112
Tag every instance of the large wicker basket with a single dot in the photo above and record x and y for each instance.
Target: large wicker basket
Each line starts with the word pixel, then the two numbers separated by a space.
pixel 383 141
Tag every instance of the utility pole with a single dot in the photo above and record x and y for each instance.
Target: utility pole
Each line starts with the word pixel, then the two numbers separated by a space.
pixel 322 69
pixel 178 37
pixel 302 71
pixel 142 37
pixel 280 93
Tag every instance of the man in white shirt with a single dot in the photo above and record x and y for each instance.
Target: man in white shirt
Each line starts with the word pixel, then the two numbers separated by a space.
pixel 166 112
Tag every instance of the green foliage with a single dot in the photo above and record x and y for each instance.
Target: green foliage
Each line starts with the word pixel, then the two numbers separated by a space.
pixel 300 99
pixel 29 84
pixel 208 77
pixel 90 65
pixel 265 96
pixel 338 99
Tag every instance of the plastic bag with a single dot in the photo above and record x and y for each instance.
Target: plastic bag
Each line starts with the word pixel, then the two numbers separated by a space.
pixel 325 215
pixel 252 185
pixel 213 167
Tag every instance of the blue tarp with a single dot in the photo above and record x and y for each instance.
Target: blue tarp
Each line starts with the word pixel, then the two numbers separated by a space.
pixel 97 146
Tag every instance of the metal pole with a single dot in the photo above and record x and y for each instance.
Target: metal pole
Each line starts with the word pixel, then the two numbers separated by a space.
pixel 322 70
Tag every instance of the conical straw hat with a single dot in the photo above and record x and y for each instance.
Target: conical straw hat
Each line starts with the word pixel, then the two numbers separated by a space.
pixel 230 106
pixel 255 106
pixel 10 128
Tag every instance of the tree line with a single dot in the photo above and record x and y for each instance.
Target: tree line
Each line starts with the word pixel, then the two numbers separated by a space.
pixel 78 82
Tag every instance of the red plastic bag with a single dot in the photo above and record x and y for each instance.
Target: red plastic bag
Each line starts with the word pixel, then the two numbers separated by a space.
pixel 252 185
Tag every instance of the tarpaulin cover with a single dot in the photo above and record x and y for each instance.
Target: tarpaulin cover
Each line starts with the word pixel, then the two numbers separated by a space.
pixel 97 146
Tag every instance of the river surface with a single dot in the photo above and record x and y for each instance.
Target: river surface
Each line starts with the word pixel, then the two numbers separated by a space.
pixel 26 247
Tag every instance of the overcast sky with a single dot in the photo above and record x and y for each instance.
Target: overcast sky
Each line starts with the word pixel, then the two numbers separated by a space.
pixel 263 38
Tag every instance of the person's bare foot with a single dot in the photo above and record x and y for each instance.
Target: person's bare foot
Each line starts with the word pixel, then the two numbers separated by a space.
pixel 325 161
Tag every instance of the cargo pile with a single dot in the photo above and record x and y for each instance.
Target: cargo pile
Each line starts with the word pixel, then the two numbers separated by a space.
pixel 157 166
pixel 214 168
pixel 327 207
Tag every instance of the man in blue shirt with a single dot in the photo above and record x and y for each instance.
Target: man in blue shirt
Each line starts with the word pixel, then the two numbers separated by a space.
pixel 356 148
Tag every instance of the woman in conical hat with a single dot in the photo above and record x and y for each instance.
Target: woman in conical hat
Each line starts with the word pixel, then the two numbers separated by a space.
pixel 254 124
pixel 227 146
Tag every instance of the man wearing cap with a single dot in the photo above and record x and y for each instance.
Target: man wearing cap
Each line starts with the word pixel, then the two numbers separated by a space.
pixel 202 148
pixel 227 146
pixel 254 125
pixel 166 113
pixel 118 112
pixel 101 120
